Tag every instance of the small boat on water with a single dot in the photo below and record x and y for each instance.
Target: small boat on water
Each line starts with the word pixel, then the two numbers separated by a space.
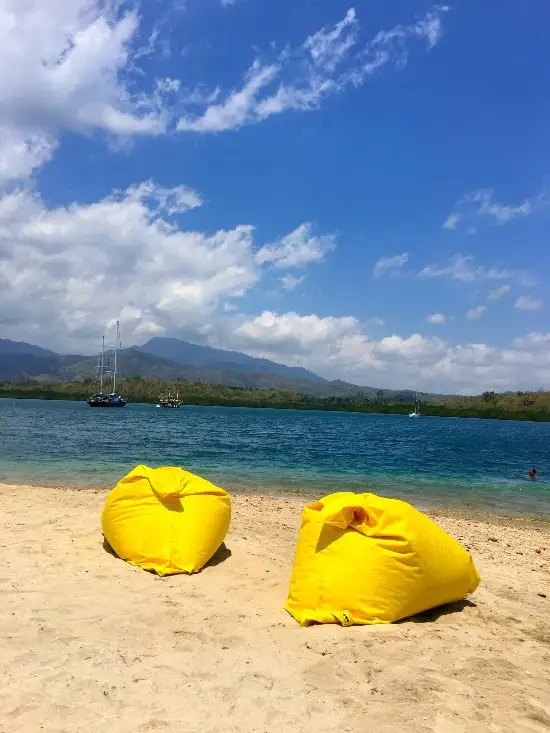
pixel 416 412
pixel 169 401
pixel 111 399
pixel 106 400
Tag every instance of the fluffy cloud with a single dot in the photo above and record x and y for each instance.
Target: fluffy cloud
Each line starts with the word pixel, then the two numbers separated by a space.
pixel 327 62
pixel 75 65
pixel 292 334
pixel 297 249
pixel 463 269
pixel 525 303
pixel 340 347
pixel 68 65
pixel 474 314
pixel 67 271
pixel 437 319
pixel 480 207
pixel 23 151
pixel 538 342
pixel 390 264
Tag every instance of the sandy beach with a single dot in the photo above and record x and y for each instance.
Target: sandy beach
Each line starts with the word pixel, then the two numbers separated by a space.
pixel 93 644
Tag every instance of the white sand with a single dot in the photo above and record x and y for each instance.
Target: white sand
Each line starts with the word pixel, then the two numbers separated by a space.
pixel 90 643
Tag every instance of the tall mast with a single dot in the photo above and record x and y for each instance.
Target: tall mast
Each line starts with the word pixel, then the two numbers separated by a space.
pixel 102 365
pixel 114 361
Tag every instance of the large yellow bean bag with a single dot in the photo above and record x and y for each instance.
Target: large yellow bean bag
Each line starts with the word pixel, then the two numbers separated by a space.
pixel 363 559
pixel 166 519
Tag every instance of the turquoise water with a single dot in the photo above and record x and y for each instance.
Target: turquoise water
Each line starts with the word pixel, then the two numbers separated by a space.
pixel 431 461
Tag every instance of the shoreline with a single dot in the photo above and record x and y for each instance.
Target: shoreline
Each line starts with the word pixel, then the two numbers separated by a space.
pixel 325 405
pixel 119 649
pixel 301 498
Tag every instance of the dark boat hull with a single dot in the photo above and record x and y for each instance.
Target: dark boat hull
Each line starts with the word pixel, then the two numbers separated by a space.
pixel 103 400
pixel 94 403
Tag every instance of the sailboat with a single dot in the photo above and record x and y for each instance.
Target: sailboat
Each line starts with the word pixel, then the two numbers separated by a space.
pixel 100 399
pixel 416 412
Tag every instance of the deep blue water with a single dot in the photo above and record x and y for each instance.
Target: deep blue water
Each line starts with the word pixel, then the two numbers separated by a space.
pixel 429 461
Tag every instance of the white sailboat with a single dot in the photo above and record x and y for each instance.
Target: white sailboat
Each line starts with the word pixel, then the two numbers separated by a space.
pixel 416 412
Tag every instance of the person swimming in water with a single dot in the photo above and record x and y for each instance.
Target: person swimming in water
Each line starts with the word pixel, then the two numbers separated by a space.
pixel 532 473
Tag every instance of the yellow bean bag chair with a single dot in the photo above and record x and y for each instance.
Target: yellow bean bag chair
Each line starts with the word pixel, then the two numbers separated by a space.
pixel 363 559
pixel 166 519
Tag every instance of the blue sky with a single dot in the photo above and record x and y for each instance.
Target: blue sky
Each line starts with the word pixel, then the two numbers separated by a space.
pixel 362 190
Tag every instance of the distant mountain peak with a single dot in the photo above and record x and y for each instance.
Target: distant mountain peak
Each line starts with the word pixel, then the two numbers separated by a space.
pixel 184 352
pixel 7 346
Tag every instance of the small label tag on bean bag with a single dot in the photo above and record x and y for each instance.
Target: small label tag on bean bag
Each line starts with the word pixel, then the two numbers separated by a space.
pixel 345 618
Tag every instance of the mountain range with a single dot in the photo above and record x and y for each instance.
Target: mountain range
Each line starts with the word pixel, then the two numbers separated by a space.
pixel 172 359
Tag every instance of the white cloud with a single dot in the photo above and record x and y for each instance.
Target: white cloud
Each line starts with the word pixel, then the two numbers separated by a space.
pixel 290 282
pixel 200 95
pixel 452 221
pixel 481 207
pixel 437 319
pixel 66 271
pixel 525 303
pixel 329 61
pixel 292 334
pixel 462 268
pixel 338 347
pixel 22 152
pixel 485 206
pixel 537 342
pixel 416 347
pixel 297 249
pixel 474 314
pixel 229 307
pixel 390 264
pixel 498 293
pixel 169 201
pixel 70 65
pixel 73 65
pixel 328 48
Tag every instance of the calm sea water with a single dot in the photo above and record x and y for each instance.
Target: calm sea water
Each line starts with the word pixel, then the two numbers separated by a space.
pixel 429 461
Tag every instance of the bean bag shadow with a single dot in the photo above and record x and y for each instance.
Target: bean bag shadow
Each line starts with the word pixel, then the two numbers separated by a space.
pixel 166 519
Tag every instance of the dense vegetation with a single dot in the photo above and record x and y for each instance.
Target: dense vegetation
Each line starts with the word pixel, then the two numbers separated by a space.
pixel 519 406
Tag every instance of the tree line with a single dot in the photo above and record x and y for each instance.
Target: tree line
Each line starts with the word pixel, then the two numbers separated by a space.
pixel 146 390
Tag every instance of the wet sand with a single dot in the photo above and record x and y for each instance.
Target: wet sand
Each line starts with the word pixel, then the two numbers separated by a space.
pixel 93 644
